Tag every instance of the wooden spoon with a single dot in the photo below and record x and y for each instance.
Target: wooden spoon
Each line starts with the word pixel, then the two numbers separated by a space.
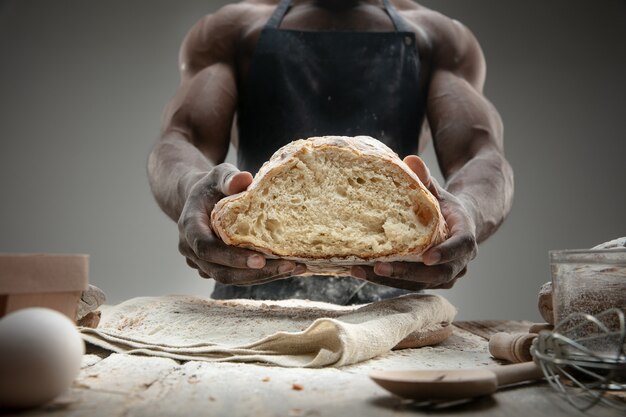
pixel 454 384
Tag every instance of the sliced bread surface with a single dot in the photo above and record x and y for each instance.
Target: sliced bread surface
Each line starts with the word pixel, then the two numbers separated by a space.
pixel 330 202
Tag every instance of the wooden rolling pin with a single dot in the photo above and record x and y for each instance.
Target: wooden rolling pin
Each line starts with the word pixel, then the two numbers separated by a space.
pixel 513 347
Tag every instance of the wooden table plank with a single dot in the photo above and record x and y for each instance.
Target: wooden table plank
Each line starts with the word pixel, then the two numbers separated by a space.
pixel 487 328
pixel 138 386
pixel 230 389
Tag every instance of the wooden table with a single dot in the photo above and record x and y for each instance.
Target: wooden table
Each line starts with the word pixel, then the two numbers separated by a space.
pixel 120 385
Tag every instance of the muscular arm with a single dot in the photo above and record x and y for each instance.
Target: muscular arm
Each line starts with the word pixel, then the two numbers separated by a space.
pixel 467 134
pixel 197 121
pixel 186 170
pixel 467 131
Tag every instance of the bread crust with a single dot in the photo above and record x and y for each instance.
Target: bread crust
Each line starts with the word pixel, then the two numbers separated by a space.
pixel 286 157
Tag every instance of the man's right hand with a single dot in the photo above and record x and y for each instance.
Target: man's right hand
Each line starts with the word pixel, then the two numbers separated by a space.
pixel 210 255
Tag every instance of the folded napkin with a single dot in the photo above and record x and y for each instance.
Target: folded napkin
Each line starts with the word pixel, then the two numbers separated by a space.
pixel 290 333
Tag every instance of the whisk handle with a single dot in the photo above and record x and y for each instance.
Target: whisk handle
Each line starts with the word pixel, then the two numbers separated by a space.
pixel 519 372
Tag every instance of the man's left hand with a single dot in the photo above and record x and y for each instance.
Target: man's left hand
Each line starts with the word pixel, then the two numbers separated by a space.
pixel 442 264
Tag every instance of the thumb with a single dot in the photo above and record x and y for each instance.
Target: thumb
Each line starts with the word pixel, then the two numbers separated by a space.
pixel 238 182
pixel 230 180
pixel 419 167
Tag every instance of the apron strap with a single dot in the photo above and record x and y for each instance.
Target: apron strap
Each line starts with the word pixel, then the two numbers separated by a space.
pixel 278 14
pixel 398 21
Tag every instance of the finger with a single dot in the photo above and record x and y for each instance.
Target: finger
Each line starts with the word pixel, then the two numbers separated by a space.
pixel 448 285
pixel 274 269
pixel 191 263
pixel 444 286
pixel 418 166
pixel 198 238
pixel 461 240
pixel 462 273
pixel 300 269
pixel 458 246
pixel 367 273
pixel 212 250
pixel 418 272
pixel 229 180
pixel 256 277
pixel 195 266
pixel 238 183
pixel 436 189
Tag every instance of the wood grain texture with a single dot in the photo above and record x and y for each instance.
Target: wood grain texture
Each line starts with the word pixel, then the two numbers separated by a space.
pixel 135 386
pixel 63 302
pixel 487 328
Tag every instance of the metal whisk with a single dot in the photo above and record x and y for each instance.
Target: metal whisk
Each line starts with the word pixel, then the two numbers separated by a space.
pixel 584 358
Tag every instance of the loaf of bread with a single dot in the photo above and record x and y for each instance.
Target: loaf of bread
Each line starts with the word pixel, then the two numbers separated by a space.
pixel 331 202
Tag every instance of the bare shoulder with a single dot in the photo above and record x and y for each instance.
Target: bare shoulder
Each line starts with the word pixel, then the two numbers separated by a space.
pixel 215 37
pixel 451 45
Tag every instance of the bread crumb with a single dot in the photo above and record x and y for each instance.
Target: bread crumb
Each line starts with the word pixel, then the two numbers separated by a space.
pixel 379 207
pixel 297 387
pixel 266 379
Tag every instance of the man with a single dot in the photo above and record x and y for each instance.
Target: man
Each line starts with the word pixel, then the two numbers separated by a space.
pixel 393 70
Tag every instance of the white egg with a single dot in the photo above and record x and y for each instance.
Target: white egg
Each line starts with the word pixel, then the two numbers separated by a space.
pixel 40 355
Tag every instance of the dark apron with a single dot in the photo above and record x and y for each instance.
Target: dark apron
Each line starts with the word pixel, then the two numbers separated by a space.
pixel 304 84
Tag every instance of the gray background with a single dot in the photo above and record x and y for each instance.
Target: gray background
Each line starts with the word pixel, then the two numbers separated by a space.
pixel 83 85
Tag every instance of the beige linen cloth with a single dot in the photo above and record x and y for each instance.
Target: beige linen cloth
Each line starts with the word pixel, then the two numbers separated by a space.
pixel 290 333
